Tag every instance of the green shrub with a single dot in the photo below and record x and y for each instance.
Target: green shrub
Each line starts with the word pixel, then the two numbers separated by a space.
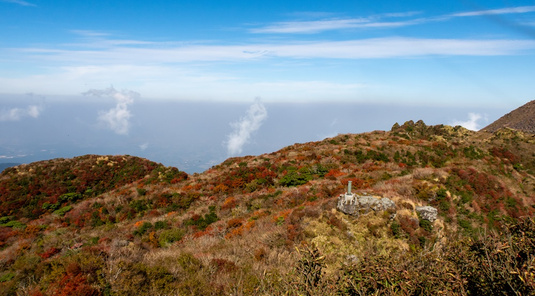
pixel 426 225
pixel 139 205
pixel 202 222
pixel 160 225
pixel 61 212
pixel 465 224
pixel 170 236
pixel 49 206
pixel 143 228
pixel 73 196
pixel 7 277
pixel 295 178
pixel 444 205
pixel 396 229
pixel 5 219
pixel 14 224
pixel 466 197
pixel 473 152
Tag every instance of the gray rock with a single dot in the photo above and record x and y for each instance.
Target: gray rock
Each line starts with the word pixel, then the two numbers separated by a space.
pixel 427 213
pixel 384 204
pixel 353 204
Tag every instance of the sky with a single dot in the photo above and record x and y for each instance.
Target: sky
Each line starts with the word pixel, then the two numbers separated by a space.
pixel 189 83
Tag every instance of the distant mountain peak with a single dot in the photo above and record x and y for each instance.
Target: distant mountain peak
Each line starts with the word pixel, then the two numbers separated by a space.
pixel 522 118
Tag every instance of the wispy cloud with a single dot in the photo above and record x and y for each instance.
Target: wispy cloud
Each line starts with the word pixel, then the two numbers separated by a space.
pixel 12 156
pixel 117 118
pixel 243 129
pixel 508 10
pixel 16 114
pixel 19 2
pixel 472 123
pixel 89 33
pixel 310 27
pixel 387 47
pixel 329 24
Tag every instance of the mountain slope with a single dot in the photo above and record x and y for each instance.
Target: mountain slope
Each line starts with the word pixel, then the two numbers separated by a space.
pixel 268 225
pixel 34 189
pixel 4 166
pixel 522 119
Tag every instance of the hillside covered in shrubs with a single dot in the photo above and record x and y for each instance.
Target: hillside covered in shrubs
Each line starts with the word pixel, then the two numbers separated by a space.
pixel 268 224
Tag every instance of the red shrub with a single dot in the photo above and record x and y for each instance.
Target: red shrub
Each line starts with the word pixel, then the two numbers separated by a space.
pixel 73 285
pixel 49 253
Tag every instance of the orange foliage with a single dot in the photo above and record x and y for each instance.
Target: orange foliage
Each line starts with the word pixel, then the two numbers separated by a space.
pixel 203 233
pixel 220 188
pixel 235 222
pixel 31 230
pixel 282 215
pixel 152 239
pixel 259 214
pixel 35 292
pixel 334 173
pixel 240 230
pixel 229 203
pixel 187 188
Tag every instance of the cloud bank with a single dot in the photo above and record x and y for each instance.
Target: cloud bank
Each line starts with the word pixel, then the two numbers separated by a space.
pixel 16 114
pixel 243 129
pixel 118 118
pixel 472 122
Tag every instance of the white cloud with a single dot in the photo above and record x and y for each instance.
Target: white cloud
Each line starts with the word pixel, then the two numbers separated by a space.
pixel 16 114
pixel 328 25
pixel 144 146
pixel 386 47
pixel 19 2
pixel 472 123
pixel 316 26
pixel 117 118
pixel 244 128
pixel 89 33
pixel 508 10
pixel 33 111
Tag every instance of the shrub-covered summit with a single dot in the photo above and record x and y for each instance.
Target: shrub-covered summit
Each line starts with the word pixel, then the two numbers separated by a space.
pixel 34 189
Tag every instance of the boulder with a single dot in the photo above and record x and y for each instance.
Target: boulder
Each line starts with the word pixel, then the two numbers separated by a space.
pixel 353 204
pixel 427 213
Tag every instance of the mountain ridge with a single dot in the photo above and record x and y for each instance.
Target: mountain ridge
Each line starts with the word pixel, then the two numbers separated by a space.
pixel 268 225
pixel 522 118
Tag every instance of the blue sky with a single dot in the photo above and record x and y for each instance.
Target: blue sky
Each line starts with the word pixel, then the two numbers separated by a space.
pixel 474 57
pixel 456 52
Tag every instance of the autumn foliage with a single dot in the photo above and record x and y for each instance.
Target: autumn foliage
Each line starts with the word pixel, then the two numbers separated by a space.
pixel 268 224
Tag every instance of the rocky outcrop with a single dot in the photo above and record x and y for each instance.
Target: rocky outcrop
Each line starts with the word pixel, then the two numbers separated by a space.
pixel 427 213
pixel 353 204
